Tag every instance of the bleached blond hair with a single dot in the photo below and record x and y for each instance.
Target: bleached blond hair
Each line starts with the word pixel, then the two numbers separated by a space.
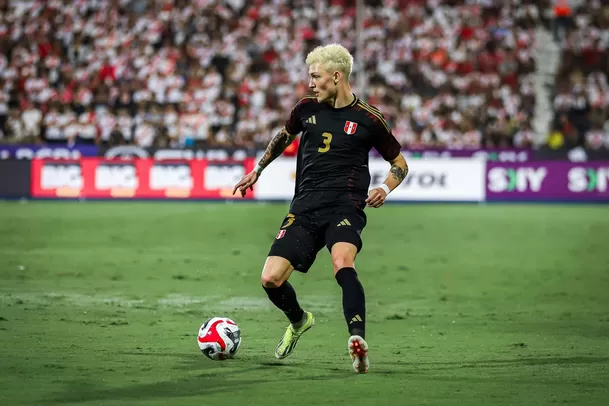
pixel 333 57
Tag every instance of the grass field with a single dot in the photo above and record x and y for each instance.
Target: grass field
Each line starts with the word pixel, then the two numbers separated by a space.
pixel 100 305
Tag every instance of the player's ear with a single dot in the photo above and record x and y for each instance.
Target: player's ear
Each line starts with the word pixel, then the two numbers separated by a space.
pixel 336 77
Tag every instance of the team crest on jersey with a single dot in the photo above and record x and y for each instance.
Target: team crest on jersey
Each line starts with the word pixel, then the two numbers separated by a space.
pixel 350 127
pixel 280 234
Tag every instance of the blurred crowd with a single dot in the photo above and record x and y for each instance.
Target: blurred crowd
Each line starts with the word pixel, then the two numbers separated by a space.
pixel 581 92
pixel 180 73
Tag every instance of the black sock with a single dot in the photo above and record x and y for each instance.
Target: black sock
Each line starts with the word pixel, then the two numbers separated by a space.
pixel 284 297
pixel 354 301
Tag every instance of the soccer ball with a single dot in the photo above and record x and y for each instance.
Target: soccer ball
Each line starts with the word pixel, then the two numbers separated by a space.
pixel 219 338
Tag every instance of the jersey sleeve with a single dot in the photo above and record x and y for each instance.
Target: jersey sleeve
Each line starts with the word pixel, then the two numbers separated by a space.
pixel 294 124
pixel 384 140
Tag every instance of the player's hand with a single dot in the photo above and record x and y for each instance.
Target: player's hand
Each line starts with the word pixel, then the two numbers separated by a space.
pixel 246 182
pixel 376 197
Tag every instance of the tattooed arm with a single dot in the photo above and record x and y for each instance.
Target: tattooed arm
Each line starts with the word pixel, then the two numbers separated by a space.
pixel 397 173
pixel 275 148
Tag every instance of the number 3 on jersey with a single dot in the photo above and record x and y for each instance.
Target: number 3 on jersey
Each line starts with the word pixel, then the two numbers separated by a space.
pixel 327 141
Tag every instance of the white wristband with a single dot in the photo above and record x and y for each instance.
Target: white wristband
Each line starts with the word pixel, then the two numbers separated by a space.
pixel 385 188
pixel 258 169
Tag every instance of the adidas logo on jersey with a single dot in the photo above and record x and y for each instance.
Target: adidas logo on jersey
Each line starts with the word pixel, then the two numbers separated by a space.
pixel 311 120
pixel 345 222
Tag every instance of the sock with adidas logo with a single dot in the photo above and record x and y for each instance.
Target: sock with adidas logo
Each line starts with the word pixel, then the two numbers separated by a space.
pixel 354 301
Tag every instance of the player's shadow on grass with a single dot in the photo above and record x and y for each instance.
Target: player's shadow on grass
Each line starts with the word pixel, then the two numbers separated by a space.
pixel 215 377
pixel 192 386
pixel 193 362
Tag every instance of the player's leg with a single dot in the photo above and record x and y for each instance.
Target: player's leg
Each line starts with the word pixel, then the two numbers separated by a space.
pixel 344 241
pixel 295 247
pixel 275 275
pixel 354 303
pixel 354 299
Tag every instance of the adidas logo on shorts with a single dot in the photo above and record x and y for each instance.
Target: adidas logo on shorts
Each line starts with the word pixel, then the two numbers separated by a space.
pixel 345 222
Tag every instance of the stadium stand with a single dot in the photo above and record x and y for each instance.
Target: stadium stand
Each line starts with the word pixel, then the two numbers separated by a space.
pixel 455 74
pixel 581 90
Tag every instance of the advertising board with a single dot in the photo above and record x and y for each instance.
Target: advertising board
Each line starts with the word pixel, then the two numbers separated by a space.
pixel 547 181
pixel 427 180
pixel 141 178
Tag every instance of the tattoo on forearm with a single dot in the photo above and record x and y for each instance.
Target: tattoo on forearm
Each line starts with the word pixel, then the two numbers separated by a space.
pixel 277 145
pixel 398 173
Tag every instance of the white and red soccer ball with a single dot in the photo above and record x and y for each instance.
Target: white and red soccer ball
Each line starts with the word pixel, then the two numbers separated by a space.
pixel 219 338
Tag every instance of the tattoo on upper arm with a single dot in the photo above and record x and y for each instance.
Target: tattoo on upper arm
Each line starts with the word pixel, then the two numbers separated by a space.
pixel 398 173
pixel 277 145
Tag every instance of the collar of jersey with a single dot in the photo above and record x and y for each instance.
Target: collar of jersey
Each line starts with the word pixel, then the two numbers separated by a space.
pixel 353 103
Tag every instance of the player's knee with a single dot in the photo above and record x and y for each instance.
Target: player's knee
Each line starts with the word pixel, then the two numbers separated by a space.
pixel 275 272
pixel 271 280
pixel 343 256
pixel 342 260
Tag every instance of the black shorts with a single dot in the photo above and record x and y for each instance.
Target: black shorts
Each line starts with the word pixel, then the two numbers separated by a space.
pixel 302 236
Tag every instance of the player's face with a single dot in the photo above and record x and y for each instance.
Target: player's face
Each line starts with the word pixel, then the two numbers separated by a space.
pixel 322 83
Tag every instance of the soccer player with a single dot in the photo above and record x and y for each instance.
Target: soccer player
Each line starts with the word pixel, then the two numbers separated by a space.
pixel 332 181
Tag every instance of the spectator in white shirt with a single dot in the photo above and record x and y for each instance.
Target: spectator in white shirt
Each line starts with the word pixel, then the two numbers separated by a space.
pixel 32 118
pixel 144 134
pixel 14 127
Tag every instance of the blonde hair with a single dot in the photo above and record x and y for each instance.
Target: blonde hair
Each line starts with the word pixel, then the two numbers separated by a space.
pixel 333 57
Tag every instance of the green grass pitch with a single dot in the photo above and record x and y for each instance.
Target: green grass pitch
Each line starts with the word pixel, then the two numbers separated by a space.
pixel 100 303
